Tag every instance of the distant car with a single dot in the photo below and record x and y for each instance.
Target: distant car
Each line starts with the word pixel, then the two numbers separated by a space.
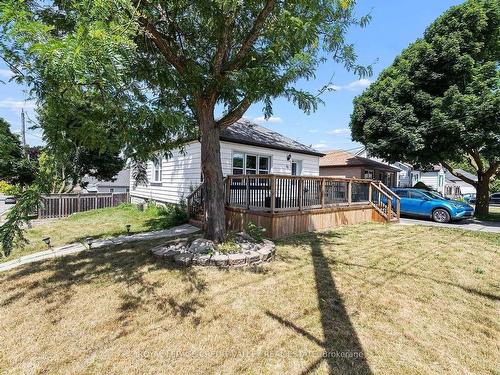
pixel 423 203
pixel 469 196
pixel 10 200
pixel 494 198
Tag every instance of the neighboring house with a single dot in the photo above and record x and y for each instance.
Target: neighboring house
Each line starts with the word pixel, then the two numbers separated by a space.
pixel 441 180
pixel 121 184
pixel 246 148
pixel 340 163
pixel 403 176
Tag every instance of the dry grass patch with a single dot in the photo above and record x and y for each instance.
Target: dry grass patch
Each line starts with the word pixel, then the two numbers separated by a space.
pixel 362 299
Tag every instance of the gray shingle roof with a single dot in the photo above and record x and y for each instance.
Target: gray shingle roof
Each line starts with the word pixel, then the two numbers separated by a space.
pixel 122 179
pixel 249 133
pixel 462 172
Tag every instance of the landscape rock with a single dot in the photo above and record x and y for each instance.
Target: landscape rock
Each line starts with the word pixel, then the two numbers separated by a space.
pixel 266 253
pixel 219 260
pixel 237 259
pixel 252 257
pixel 201 246
pixel 183 259
pixel 245 237
pixel 201 259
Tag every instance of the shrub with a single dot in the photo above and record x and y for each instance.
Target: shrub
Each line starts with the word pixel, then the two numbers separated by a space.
pixel 256 232
pixel 166 216
pixel 8 189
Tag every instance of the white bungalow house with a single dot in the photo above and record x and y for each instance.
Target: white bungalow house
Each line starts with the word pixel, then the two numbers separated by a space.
pixel 246 148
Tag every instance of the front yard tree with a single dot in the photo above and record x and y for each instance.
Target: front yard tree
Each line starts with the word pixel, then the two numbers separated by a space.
pixel 169 69
pixel 439 100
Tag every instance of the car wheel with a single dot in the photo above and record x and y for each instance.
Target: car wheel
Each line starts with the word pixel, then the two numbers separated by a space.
pixel 440 215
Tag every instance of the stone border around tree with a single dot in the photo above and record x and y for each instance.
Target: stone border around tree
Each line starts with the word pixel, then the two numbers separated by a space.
pixel 203 253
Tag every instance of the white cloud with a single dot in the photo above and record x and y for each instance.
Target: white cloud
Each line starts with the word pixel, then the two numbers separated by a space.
pixel 359 84
pixel 5 73
pixel 339 131
pixel 320 146
pixel 17 105
pixel 272 120
pixel 313 130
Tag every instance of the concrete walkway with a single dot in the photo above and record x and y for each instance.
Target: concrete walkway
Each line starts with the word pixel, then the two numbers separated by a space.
pixel 73 248
pixel 472 224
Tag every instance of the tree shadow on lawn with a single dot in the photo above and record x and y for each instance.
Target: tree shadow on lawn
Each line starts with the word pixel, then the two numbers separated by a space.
pixel 341 348
pixel 127 264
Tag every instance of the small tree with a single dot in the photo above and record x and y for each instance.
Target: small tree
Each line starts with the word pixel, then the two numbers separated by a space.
pixel 439 100
pixel 155 72
pixel 15 168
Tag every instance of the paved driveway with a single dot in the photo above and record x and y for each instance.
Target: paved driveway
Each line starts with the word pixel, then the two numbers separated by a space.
pixel 475 225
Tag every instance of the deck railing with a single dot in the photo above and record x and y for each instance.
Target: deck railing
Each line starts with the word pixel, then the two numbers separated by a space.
pixel 281 193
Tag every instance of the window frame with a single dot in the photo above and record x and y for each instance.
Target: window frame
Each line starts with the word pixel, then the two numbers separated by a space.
pixel 372 174
pixel 298 167
pixel 157 166
pixel 257 169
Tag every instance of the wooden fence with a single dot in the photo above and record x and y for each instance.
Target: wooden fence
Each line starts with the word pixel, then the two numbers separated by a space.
pixel 61 205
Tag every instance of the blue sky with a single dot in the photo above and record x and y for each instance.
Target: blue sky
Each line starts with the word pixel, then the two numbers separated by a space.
pixel 395 24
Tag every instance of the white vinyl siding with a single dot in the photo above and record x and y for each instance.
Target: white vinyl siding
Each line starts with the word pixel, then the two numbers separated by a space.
pixel 182 171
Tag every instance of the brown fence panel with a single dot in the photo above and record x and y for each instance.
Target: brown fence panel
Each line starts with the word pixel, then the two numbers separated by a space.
pixel 62 205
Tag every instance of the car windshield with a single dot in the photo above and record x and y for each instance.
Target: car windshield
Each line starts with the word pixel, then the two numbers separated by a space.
pixel 432 195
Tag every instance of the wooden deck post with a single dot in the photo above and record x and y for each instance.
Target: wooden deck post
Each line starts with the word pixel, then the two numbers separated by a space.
pixel 349 192
pixel 248 192
pixel 322 193
pixel 273 193
pixel 370 192
pixel 301 192
pixel 389 209
pixel 228 190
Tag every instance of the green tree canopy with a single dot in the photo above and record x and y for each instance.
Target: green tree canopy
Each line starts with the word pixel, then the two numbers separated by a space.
pixel 15 168
pixel 439 101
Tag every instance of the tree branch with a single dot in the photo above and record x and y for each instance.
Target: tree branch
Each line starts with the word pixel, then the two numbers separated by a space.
pixel 222 48
pixel 455 173
pixel 252 36
pixel 170 54
pixel 234 115
pixel 477 159
pixel 492 170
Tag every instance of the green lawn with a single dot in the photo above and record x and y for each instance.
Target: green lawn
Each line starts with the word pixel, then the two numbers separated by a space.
pixel 102 223
pixel 364 299
pixel 494 214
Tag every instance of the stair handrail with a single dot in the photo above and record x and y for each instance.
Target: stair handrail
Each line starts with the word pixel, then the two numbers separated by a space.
pixel 389 210
pixel 191 196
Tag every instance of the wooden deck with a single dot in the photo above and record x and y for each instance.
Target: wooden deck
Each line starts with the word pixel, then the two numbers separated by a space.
pixel 286 205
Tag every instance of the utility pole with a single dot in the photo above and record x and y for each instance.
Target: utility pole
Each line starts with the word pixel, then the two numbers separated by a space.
pixel 23 127
pixel 23 131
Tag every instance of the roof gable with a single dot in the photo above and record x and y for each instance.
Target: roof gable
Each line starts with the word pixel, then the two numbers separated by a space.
pixel 340 158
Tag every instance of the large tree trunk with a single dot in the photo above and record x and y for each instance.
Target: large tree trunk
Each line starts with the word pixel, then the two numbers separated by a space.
pixel 482 195
pixel 212 176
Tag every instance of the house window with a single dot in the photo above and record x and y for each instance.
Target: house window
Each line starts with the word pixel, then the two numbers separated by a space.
pixel 296 167
pixel 369 174
pixel 251 164
pixel 157 174
pixel 440 180
pixel 111 190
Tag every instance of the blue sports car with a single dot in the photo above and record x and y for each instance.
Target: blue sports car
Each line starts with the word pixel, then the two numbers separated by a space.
pixel 423 203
